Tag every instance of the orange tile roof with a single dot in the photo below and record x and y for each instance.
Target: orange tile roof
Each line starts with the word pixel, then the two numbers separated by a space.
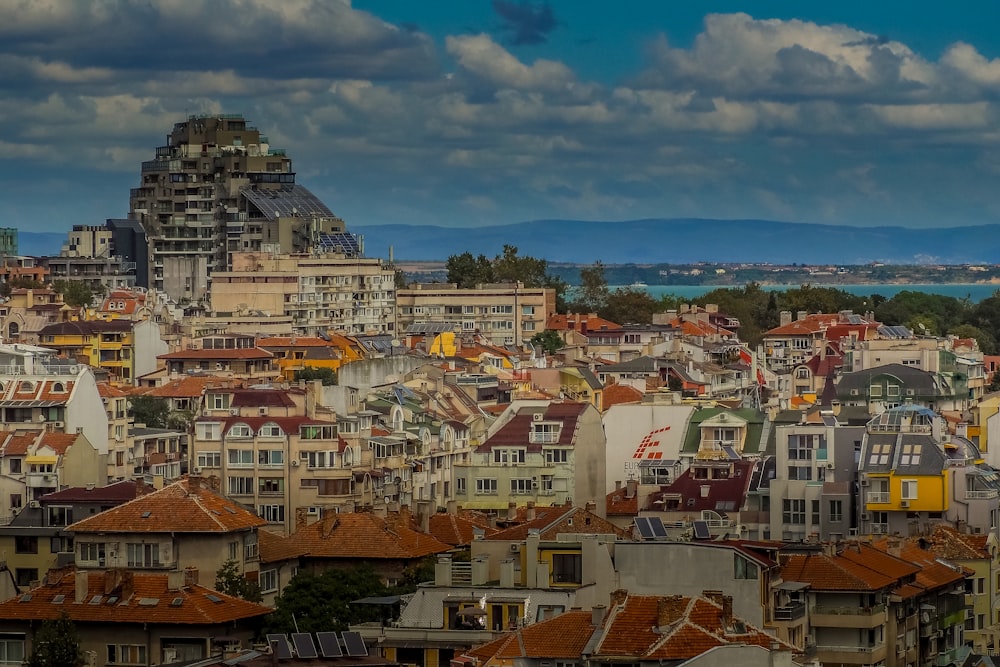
pixel 274 548
pixel 138 598
pixel 457 530
pixel 108 390
pixel 550 522
pixel 182 507
pixel 618 503
pixel 58 442
pixel 565 636
pixel 364 535
pixel 242 353
pixel 946 542
pixel 616 394
pixel 186 387
pixel 17 444
pixel 859 567
pixel 932 573
pixel 560 322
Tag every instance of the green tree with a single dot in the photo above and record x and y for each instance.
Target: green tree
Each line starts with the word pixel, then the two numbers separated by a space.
pixel 510 267
pixel 322 602
pixel 548 340
pixel 229 580
pixel 150 410
pixel 180 420
pixel 327 375
pixel 19 283
pixel 593 294
pixel 399 279
pixel 630 305
pixel 74 292
pixel 56 644
pixel 467 271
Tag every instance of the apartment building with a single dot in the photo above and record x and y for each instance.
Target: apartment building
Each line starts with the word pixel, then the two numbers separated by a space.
pixel 218 187
pixel 322 291
pixel 225 356
pixel 503 313
pixel 123 348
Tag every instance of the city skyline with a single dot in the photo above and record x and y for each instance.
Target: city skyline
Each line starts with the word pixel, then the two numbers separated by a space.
pixel 499 112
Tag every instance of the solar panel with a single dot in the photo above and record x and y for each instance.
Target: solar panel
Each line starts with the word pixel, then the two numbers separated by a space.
pixel 656 525
pixel 355 645
pixel 280 646
pixel 329 644
pixel 287 201
pixel 642 525
pixel 701 531
pixel 344 242
pixel 730 452
pixel 304 647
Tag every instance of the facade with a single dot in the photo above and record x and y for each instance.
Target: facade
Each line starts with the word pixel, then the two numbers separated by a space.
pixel 320 292
pixel 217 187
pixel 123 348
pixel 885 387
pixel 539 451
pixel 504 313
pixel 225 356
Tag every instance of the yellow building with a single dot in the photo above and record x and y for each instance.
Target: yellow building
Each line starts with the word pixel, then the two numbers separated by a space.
pixel 296 353
pixel 102 344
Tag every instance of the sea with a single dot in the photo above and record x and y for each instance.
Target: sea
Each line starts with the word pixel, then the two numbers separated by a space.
pixel 974 292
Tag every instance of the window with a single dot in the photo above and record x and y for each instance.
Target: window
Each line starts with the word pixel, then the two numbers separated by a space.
pixel 520 486
pixel 460 485
pixel 126 654
pixel 880 454
pixel 800 447
pixel 486 485
pixel 268 581
pixel 910 455
pixel 744 568
pixel 799 472
pixel 233 550
pixel 25 576
pixel 909 489
pixel 793 510
pixel 60 515
pixel 814 506
pixel 875 390
pixel 272 486
pixel 556 455
pixel 241 458
pixel 15 466
pixel 271 457
pixel 11 649
pixel 508 456
pixel 15 501
pixel 209 459
pixel 25 544
pixel 547 484
pixel 143 555
pixel 270 431
pixel 241 486
pixel 217 401
pixel 320 459
pixel 545 432
pixel 836 510
pixel 567 568
pixel 272 513
pixel 240 430
pixel 92 552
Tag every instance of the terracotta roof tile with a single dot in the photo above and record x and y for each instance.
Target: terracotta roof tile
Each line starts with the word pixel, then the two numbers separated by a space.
pixel 565 636
pixel 518 429
pixel 17 444
pixel 107 390
pixel 859 567
pixel 182 507
pixel 619 503
pixel 187 387
pixel 550 522
pixel 58 442
pixel 616 394
pixel 140 598
pixel 242 353
pixel 364 535
pixel 274 548
pixel 457 530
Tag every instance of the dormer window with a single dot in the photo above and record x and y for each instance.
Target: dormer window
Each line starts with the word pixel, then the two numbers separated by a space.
pixel 545 432
pixel 58 388
pixel 508 456
pixel 26 387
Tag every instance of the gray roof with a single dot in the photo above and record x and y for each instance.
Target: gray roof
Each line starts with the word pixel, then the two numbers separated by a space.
pixel 644 364
pixel 922 382
pixel 287 201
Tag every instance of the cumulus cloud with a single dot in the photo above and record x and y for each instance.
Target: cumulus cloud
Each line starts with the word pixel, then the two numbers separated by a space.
pixel 483 58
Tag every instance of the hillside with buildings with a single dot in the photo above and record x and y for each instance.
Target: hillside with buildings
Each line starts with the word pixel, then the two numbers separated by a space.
pixel 252 392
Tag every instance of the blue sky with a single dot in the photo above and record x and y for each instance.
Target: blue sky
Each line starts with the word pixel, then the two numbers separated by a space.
pixel 499 111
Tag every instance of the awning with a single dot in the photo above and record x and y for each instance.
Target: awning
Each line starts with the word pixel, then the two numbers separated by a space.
pixel 383 600
pixel 42 459
pixel 792 586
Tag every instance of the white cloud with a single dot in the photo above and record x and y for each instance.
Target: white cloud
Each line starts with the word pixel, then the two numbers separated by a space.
pixel 487 60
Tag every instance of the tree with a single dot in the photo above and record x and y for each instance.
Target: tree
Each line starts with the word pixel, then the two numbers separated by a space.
pixel 510 267
pixel 328 376
pixel 56 644
pixel 549 340
pixel 593 294
pixel 399 279
pixel 629 305
pixel 467 271
pixel 74 292
pixel 230 581
pixel 19 283
pixel 150 410
pixel 180 420
pixel 322 602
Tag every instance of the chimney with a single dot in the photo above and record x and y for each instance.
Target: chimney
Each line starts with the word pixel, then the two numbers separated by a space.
pixel 82 586
pixel 618 485
pixel 726 616
pixel 590 506
pixel 669 609
pixel 511 511
pixel 631 487
pixel 618 597
pixel 190 576
pixel 597 615
pixel 301 517
pixel 801 315
pixel 529 514
pixel 785 317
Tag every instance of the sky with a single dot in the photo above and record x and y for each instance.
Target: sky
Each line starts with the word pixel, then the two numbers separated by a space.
pixel 483 112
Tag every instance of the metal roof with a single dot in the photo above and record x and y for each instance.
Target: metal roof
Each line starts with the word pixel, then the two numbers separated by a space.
pixel 287 201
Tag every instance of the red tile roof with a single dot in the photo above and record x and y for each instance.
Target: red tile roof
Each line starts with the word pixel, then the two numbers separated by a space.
pixel 859 567
pixel 137 598
pixel 294 341
pixel 565 636
pixel 550 522
pixel 186 387
pixel 274 548
pixel 354 535
pixel 59 442
pixel 616 394
pixel 18 444
pixel 107 390
pixel 275 398
pixel 182 507
pixel 933 573
pixel 575 322
pixel 722 494
pixel 241 353
pixel 457 530
pixel 619 503
pixel 518 429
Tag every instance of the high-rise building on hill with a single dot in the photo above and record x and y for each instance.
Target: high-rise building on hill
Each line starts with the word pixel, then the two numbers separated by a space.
pixel 217 188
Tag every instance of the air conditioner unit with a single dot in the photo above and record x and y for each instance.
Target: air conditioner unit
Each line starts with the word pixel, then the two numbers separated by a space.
pixel 234 411
pixel 904 503
pixel 865 516
pixel 830 466
pixel 514 548
pixel 34 504
pixel 196 471
pixel 295 463
pixel 537 417
pixel 534 485
pixel 864 481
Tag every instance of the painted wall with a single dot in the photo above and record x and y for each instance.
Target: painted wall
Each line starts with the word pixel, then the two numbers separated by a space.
pixel 637 432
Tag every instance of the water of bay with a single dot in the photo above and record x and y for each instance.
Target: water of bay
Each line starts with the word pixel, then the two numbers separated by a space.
pixel 974 292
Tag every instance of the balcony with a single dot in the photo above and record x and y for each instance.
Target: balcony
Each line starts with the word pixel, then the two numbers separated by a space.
pixel 850 655
pixel 848 617
pixel 790 612
pixel 877 497
pixel 40 480
pixel 981 495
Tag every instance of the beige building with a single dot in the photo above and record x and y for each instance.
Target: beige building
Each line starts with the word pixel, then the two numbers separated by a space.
pixel 505 313
pixel 327 291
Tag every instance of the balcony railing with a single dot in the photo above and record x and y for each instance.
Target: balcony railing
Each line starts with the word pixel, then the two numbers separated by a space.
pixel 790 612
pixel 878 497
pixel 848 611
pixel 981 495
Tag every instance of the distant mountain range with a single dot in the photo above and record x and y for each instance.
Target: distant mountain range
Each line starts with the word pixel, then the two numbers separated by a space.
pixel 671 241
pixel 687 240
